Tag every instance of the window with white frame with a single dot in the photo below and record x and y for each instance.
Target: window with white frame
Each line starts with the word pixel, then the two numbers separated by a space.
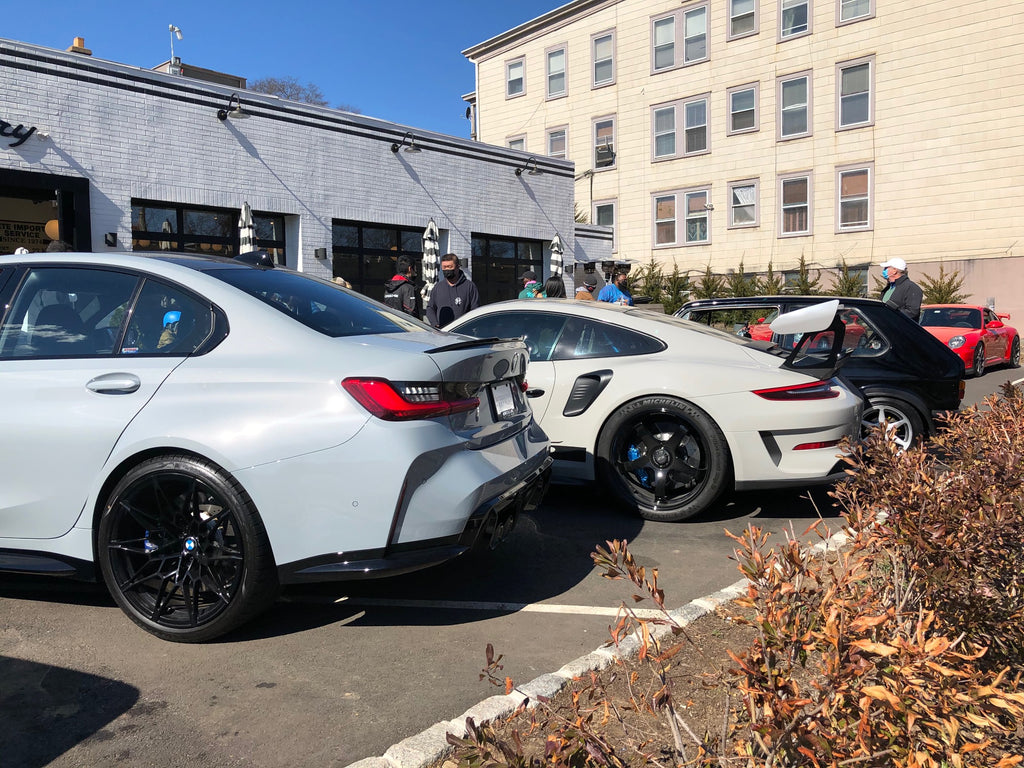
pixel 854 200
pixel 556 72
pixel 664 132
pixel 696 112
pixel 794 97
pixel 516 142
pixel 795 205
pixel 742 18
pixel 515 78
pixel 794 18
pixel 743 108
pixel 854 109
pixel 695 213
pixel 694 115
pixel 556 142
pixel 743 203
pixel 848 11
pixel 603 52
pixel 604 143
pixel 689 25
pixel 604 216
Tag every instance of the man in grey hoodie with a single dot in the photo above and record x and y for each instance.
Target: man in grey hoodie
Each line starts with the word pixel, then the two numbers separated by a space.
pixel 453 296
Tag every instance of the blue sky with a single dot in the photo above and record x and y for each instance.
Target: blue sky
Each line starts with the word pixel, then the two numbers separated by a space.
pixel 399 60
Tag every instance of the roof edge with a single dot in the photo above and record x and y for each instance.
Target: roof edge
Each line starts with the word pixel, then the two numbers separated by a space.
pixel 542 23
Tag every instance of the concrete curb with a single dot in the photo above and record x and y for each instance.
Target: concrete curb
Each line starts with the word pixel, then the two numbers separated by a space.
pixel 431 745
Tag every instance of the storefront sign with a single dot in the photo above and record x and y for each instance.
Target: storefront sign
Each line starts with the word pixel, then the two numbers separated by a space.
pixel 17 132
pixel 22 234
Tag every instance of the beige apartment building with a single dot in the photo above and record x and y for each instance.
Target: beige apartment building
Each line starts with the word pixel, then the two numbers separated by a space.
pixel 726 132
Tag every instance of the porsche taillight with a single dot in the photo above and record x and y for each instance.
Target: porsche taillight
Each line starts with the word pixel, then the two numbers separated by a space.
pixel 406 401
pixel 814 390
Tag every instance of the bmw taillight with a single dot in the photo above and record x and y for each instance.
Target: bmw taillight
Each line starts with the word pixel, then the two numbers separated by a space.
pixel 406 401
pixel 814 390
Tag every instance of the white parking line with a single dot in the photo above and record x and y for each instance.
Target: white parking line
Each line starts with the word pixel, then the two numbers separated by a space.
pixel 471 605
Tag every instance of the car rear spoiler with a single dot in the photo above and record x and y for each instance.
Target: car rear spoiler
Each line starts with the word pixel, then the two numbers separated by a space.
pixel 811 325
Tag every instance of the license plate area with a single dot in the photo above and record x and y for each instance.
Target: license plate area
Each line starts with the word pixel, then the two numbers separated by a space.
pixel 503 399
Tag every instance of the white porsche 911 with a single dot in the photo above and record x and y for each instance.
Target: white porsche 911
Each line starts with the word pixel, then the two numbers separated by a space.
pixel 204 429
pixel 668 413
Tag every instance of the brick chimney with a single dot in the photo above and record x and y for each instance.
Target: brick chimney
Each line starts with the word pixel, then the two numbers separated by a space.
pixel 78 46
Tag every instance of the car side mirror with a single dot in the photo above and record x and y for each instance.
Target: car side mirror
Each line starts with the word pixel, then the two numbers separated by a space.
pixel 994 324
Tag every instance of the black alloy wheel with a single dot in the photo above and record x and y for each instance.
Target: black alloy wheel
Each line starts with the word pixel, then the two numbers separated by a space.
pixel 1015 353
pixel 979 360
pixel 903 424
pixel 183 550
pixel 663 458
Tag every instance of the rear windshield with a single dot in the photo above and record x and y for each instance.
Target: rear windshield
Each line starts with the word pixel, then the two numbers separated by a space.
pixel 318 304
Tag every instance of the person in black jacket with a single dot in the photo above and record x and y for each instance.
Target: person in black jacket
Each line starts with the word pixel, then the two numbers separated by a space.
pixel 400 291
pixel 901 293
pixel 453 296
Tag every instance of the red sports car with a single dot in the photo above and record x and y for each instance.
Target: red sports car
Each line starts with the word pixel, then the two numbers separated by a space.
pixel 978 334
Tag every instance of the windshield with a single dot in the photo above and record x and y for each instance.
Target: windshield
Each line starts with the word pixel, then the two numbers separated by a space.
pixel 951 317
pixel 318 304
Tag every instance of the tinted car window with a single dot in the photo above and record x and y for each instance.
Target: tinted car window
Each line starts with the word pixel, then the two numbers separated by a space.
pixel 66 312
pixel 166 321
pixel 589 338
pixel 541 331
pixel 951 317
pixel 317 304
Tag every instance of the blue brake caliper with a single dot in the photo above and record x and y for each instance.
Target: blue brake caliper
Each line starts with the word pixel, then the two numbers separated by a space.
pixel 643 475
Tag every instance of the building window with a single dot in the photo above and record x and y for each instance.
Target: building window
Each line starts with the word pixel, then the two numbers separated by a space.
pixel 604 143
pixel 695 217
pixel 849 11
pixel 854 109
pixel 742 18
pixel 743 109
pixel 160 226
pixel 795 196
pixel 604 216
pixel 499 261
pixel 854 203
pixel 603 51
pixel 664 132
pixel 365 254
pixel 556 142
pixel 516 142
pixel 743 204
pixel 695 128
pixel 515 78
pixel 556 72
pixel 689 25
pixel 794 18
pixel 794 106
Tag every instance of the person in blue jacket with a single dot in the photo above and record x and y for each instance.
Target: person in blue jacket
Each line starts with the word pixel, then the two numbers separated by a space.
pixel 616 292
pixel 452 297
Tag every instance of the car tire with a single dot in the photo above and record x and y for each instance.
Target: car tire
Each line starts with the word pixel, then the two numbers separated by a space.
pixel 663 458
pixel 1014 360
pixel 905 424
pixel 183 550
pixel 978 366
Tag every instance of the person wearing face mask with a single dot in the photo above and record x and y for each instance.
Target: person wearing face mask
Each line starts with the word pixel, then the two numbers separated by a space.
pixel 901 293
pixel 453 296
pixel 616 291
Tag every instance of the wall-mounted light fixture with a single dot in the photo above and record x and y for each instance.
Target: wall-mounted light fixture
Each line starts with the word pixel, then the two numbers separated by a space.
pixel 233 109
pixel 320 253
pixel 110 239
pixel 411 147
pixel 530 166
pixel 709 207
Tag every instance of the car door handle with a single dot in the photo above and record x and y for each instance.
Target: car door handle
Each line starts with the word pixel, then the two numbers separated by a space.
pixel 534 392
pixel 114 384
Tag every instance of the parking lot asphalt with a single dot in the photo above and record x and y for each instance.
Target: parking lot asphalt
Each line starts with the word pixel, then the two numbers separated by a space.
pixel 335 674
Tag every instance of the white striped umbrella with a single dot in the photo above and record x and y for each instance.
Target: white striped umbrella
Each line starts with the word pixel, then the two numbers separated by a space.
pixel 556 255
pixel 431 251
pixel 246 230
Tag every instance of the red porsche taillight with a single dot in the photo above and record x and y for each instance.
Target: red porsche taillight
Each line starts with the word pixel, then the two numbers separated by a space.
pixel 815 390
pixel 405 401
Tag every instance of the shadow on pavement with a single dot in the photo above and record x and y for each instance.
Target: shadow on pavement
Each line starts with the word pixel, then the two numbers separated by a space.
pixel 47 710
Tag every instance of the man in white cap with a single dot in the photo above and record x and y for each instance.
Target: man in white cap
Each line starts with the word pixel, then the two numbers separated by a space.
pixel 901 293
